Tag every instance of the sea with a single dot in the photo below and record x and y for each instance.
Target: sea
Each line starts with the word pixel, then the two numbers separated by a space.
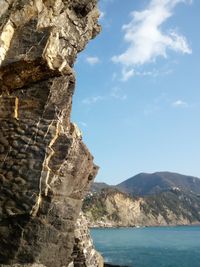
pixel 177 246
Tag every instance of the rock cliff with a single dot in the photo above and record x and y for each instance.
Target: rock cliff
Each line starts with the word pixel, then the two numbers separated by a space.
pixel 111 208
pixel 45 169
pixel 84 253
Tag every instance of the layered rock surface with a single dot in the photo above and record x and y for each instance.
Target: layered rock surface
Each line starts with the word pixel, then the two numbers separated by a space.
pixel 45 169
pixel 111 208
pixel 84 253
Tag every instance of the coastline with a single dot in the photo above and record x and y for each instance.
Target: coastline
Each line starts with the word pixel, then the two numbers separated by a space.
pixel 142 226
pixel 111 265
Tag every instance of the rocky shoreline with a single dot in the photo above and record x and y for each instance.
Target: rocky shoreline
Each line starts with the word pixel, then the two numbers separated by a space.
pixel 139 226
pixel 112 208
pixel 110 265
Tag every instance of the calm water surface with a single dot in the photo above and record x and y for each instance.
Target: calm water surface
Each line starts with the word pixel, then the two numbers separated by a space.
pixel 150 247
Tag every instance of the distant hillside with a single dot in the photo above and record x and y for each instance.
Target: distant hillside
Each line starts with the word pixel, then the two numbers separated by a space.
pixel 161 198
pixel 145 184
pixel 97 187
pixel 112 208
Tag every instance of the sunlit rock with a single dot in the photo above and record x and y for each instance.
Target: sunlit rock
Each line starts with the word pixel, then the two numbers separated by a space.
pixel 45 169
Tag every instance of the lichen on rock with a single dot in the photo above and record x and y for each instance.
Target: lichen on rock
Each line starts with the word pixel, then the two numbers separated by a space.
pixel 45 169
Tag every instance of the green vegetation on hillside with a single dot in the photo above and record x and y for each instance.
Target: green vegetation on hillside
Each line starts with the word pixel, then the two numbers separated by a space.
pixel 176 202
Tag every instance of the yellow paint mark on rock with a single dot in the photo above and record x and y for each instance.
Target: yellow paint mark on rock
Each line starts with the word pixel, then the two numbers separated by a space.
pixel 36 206
pixel 16 112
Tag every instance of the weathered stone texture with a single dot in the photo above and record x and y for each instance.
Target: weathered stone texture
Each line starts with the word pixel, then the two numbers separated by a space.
pixel 84 253
pixel 45 169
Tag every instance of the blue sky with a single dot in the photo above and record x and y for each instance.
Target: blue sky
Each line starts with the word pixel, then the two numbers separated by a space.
pixel 137 98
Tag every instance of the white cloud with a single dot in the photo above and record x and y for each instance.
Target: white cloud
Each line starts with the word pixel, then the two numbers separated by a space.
pixel 102 15
pixel 108 1
pixel 92 60
pixel 82 123
pixel 114 76
pixel 92 100
pixel 127 74
pixel 146 39
pixel 180 104
pixel 151 110
pixel 117 93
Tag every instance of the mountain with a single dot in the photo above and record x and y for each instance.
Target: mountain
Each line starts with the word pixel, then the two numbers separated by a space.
pixel 145 184
pixel 161 198
pixel 97 187
pixel 112 208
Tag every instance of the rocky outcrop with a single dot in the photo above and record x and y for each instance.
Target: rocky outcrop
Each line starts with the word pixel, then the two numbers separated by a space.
pixel 110 265
pixel 84 253
pixel 111 208
pixel 45 169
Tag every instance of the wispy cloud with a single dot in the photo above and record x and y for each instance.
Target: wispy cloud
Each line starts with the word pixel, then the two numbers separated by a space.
pixel 114 76
pixel 108 1
pixel 127 74
pixel 92 60
pixel 146 39
pixel 117 93
pixel 92 100
pixel 150 110
pixel 82 123
pixel 102 15
pixel 180 104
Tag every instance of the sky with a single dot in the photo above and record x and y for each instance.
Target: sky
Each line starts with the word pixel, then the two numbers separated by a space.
pixel 137 98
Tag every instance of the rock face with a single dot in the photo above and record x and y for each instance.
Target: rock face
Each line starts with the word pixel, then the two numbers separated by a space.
pixel 111 208
pixel 84 253
pixel 45 169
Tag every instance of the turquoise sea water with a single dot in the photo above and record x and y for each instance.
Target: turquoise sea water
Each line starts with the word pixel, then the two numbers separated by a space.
pixel 150 247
